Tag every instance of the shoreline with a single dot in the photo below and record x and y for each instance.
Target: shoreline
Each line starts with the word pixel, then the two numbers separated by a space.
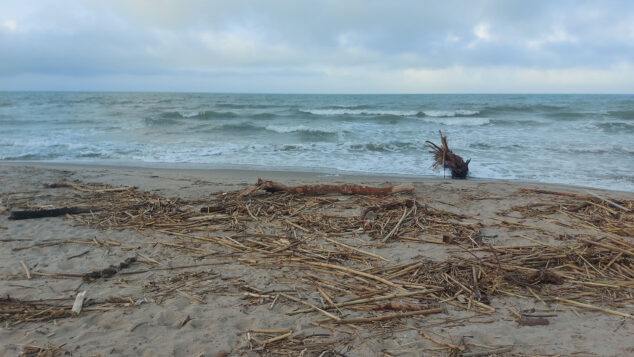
pixel 313 175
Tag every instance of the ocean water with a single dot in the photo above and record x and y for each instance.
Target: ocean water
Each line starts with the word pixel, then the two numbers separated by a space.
pixel 583 140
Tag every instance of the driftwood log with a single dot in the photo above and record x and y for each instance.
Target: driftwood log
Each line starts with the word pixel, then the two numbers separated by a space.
pixel 53 212
pixel 446 159
pixel 345 189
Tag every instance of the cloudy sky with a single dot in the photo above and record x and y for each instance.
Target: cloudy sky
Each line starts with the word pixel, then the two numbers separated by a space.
pixel 337 46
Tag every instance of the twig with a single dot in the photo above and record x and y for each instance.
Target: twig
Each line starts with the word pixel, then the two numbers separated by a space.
pixel 608 201
pixel 488 353
pixel 357 272
pixel 592 307
pixel 438 342
pixel 535 190
pixel 356 249
pixel 405 213
pixel 277 338
pixel 336 318
pixel 606 246
pixel 28 274
pixel 373 299
pixel 391 316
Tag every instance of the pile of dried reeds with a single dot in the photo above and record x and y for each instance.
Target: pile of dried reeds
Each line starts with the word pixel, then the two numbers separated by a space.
pixel 17 311
pixel 302 240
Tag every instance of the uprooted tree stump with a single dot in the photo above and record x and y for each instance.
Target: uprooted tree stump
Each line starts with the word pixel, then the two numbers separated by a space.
pixel 446 159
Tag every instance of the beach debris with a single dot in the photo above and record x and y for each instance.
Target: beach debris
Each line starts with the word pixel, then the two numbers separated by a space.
pixel 442 343
pixel 79 303
pixel 52 212
pixel 26 269
pixel 14 311
pixel 493 352
pixel 109 271
pixel 44 351
pixel 446 159
pixel 344 189
pixel 321 257
pixel 547 192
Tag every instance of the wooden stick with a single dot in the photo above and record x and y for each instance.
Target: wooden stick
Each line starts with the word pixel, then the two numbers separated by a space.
pixel 357 272
pixel 336 318
pixel 438 342
pixel 592 307
pixel 356 249
pixel 489 352
pixel 390 316
pixel 405 213
pixel 28 274
pixel 373 299
pixel 267 331
pixel 296 226
pixel 278 338
pixel 535 190
pixel 608 201
pixel 606 246
pixel 190 296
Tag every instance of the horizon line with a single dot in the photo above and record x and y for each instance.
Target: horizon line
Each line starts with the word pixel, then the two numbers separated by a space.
pixel 305 93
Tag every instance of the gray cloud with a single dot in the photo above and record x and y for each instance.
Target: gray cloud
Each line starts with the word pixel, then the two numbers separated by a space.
pixel 323 44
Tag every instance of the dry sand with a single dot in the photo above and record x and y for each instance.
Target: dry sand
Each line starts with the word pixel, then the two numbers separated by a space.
pixel 216 319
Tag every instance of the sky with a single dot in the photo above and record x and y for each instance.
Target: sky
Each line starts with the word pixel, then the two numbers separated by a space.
pixel 329 46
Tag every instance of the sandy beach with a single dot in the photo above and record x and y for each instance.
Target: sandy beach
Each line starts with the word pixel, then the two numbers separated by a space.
pixel 458 267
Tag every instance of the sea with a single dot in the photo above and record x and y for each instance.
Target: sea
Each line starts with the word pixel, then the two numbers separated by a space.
pixel 584 140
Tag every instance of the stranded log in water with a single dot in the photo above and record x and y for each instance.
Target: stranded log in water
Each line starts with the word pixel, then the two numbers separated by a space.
pixel 345 189
pixel 446 159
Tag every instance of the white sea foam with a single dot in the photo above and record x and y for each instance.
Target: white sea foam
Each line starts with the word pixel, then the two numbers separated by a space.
pixel 343 111
pixel 450 113
pixel 458 121
pixel 282 129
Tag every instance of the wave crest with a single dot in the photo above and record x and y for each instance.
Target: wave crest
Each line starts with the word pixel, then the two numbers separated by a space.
pixel 448 113
pixel 348 111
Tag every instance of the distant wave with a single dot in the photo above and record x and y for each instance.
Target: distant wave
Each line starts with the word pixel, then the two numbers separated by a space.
pixel 161 120
pixel 572 115
pixel 237 127
pixel 517 122
pixel 622 114
pixel 348 111
pixel 458 121
pixel 210 114
pixel 263 116
pixel 392 146
pixel 174 117
pixel 349 107
pixel 600 148
pixel 519 108
pixel 613 127
pixel 305 133
pixel 364 111
pixel 245 106
pixel 595 149
pixel 299 128
pixel 447 113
